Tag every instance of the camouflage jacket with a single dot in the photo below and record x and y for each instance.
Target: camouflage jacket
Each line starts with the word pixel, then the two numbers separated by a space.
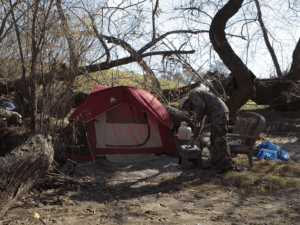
pixel 204 103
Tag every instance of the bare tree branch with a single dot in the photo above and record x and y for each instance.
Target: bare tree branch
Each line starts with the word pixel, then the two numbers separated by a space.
pixel 99 36
pixel 264 30
pixel 155 85
pixel 22 84
pixel 6 17
pixel 165 53
pixel 153 19
pixel 12 24
pixel 155 41
pixel 195 8
pixel 68 34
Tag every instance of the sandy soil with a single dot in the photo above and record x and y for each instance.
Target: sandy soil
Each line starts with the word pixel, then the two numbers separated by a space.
pixel 140 201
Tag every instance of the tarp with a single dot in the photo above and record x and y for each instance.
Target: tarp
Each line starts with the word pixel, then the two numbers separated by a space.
pixel 267 150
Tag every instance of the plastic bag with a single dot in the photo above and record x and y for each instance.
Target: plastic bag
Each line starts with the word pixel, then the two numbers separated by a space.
pixel 235 142
pixel 8 105
pixel 283 155
pixel 268 145
pixel 267 150
pixel 267 154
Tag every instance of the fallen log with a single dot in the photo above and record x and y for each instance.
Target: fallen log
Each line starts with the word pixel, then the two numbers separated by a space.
pixel 273 92
pixel 24 167
pixel 278 93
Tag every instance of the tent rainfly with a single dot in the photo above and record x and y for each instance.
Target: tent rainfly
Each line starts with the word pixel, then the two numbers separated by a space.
pixel 123 120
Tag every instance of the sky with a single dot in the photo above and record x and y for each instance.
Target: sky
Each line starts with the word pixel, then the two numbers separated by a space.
pixel 283 28
pixel 281 22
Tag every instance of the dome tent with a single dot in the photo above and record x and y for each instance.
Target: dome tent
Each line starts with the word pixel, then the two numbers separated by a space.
pixel 123 120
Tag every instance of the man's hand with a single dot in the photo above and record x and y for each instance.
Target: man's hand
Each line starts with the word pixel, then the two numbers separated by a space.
pixel 191 143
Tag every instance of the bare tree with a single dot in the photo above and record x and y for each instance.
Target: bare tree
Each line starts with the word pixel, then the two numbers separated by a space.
pixel 235 37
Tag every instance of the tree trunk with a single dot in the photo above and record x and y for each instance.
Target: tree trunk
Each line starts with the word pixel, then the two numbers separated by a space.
pixel 243 76
pixel 294 73
pixel 23 168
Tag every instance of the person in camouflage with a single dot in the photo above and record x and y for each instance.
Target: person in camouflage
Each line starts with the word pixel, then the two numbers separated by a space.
pixel 204 103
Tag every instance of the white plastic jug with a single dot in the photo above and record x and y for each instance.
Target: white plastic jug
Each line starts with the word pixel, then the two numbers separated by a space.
pixel 184 132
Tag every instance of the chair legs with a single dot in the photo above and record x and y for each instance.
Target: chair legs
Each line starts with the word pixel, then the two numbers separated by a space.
pixel 250 155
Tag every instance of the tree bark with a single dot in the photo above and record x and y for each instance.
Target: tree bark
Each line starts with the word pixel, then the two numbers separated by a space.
pixel 243 76
pixel 275 93
pixel 294 73
pixel 34 53
pixel 23 168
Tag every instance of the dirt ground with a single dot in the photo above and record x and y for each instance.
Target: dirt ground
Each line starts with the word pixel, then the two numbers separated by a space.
pixel 167 199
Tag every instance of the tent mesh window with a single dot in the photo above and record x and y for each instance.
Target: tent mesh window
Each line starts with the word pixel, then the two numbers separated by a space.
pixel 126 114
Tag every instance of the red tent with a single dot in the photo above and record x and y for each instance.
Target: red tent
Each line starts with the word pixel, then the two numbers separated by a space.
pixel 123 120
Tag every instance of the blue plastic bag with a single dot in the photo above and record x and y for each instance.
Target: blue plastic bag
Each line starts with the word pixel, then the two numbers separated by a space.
pixel 283 155
pixel 268 145
pixel 267 150
pixel 267 154
pixel 8 105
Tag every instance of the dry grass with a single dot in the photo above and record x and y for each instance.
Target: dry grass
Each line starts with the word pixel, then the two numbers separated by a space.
pixel 248 182
pixel 276 168
pixel 263 178
pixel 252 105
pixel 115 78
pixel 174 104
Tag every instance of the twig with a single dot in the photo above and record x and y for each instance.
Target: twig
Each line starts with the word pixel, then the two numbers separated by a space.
pixel 67 178
pixel 42 221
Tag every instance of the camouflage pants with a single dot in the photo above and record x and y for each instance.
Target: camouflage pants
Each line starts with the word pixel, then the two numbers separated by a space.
pixel 219 152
